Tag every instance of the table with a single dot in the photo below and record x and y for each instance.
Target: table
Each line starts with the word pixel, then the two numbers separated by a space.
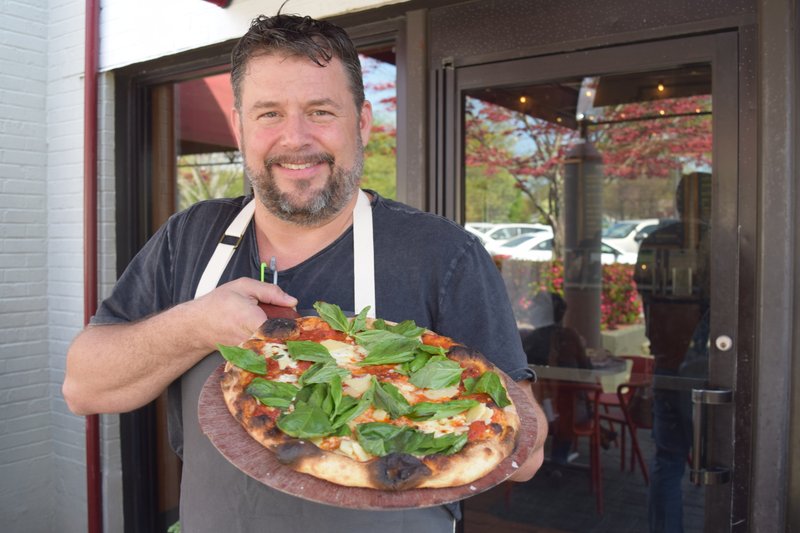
pixel 612 373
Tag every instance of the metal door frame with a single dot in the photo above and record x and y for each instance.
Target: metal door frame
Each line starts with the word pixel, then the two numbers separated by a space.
pixel 731 439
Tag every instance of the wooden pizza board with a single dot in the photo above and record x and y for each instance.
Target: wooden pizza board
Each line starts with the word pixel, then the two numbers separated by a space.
pixel 246 454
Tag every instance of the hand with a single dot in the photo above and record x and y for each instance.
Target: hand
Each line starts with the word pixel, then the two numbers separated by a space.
pixel 534 461
pixel 233 311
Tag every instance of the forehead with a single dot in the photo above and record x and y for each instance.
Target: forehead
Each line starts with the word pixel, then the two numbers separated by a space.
pixel 272 75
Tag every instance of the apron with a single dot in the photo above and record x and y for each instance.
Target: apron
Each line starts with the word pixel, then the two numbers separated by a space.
pixel 210 484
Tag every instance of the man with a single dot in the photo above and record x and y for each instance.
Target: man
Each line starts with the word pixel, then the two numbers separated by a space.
pixel 301 122
pixel 672 279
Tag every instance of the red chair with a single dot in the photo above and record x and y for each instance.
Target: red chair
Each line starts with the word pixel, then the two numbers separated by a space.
pixel 617 410
pixel 567 395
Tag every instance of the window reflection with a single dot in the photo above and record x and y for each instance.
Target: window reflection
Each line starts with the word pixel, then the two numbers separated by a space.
pixel 594 163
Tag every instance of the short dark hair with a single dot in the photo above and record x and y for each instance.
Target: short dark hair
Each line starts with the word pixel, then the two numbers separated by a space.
pixel 318 40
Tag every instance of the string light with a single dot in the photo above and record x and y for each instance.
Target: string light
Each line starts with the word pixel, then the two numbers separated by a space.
pixel 660 87
pixel 523 99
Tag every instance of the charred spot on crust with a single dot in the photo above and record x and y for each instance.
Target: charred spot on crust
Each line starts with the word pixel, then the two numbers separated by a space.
pixel 294 450
pixel 277 328
pixel 496 428
pixel 462 353
pixel 398 471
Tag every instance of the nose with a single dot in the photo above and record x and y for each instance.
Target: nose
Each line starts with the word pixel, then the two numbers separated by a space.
pixel 296 132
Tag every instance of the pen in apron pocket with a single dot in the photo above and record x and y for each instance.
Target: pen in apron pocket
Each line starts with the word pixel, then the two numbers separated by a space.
pixel 273 266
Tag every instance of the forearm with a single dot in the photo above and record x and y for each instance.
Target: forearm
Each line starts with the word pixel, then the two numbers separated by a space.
pixel 117 368
pixel 120 367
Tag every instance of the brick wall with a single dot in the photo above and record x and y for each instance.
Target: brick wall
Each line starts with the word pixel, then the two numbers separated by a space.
pixel 26 451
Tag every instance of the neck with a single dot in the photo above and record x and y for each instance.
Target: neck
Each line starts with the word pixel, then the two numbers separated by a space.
pixel 290 243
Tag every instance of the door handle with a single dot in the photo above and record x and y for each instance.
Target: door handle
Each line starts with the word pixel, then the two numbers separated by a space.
pixel 701 473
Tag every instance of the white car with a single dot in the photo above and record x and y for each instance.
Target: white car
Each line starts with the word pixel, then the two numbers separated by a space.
pixel 541 249
pixel 627 235
pixel 478 228
pixel 501 233
pixel 517 243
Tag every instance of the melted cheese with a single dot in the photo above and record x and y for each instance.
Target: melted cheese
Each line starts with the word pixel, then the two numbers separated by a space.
pixel 444 426
pixel 344 353
pixel 280 353
pixel 356 386
pixel 479 412
pixel 352 449
pixel 440 394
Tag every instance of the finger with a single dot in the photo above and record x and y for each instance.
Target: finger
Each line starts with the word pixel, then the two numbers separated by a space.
pixel 266 292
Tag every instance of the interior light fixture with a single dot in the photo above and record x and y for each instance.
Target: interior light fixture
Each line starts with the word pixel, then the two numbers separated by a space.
pixel 523 99
pixel 660 87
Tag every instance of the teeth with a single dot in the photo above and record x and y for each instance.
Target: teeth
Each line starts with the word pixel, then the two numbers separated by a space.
pixel 296 167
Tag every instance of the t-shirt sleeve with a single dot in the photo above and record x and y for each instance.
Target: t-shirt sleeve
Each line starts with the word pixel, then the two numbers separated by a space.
pixel 475 311
pixel 144 287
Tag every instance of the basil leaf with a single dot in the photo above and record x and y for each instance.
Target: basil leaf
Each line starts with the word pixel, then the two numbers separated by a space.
pixel 446 444
pixel 432 350
pixel 437 410
pixel 385 347
pixel 335 394
pixel 305 421
pixel 421 358
pixel 359 323
pixel 488 383
pixel 389 398
pixel 438 373
pixel 333 315
pixel 381 439
pixel 309 351
pixel 349 409
pixel 272 393
pixel 313 394
pixel 244 359
pixel 322 373
pixel 407 328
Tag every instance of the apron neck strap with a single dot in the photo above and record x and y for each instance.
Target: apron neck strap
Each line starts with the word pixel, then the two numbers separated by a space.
pixel 363 254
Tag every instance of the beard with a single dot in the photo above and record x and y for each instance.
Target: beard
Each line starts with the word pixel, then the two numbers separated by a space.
pixel 309 207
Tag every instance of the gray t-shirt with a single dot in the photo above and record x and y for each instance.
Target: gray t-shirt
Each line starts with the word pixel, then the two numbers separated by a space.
pixel 427 269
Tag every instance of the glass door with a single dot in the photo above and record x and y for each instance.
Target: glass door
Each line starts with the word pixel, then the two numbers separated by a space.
pixel 603 183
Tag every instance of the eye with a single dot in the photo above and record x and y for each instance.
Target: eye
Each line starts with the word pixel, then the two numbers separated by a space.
pixel 322 115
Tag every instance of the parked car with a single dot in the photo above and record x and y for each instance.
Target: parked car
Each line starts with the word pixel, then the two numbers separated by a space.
pixel 540 248
pixel 627 235
pixel 501 233
pixel 508 247
pixel 478 227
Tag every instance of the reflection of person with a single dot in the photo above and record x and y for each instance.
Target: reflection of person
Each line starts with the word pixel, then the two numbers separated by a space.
pixel 552 343
pixel 302 123
pixel 672 277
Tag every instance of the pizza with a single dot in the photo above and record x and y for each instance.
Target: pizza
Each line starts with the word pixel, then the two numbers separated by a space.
pixel 363 402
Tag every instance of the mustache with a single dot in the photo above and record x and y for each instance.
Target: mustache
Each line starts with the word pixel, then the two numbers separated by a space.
pixel 300 159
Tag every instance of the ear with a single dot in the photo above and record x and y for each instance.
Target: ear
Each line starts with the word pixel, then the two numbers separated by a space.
pixel 365 122
pixel 236 124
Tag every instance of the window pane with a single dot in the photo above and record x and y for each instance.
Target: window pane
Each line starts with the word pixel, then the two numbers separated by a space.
pixel 208 162
pixel 380 88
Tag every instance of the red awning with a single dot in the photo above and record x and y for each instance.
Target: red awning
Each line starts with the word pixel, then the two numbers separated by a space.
pixel 204 107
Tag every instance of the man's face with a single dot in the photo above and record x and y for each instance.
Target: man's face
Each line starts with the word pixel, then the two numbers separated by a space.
pixel 301 136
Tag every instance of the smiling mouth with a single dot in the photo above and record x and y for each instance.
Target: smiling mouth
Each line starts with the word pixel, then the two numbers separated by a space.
pixel 292 166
